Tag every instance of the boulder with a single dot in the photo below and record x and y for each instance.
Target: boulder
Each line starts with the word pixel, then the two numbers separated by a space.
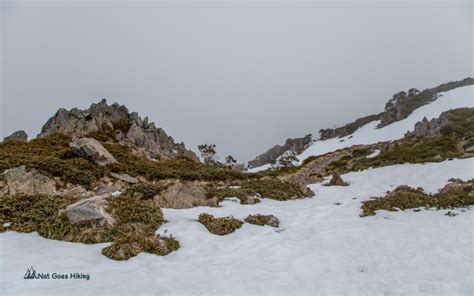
pixel 17 136
pixel 19 180
pixel 184 195
pixel 336 180
pixel 273 221
pixel 93 150
pixel 90 211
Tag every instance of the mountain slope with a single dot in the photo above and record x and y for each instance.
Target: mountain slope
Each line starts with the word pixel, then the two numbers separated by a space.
pixel 322 247
pixel 370 130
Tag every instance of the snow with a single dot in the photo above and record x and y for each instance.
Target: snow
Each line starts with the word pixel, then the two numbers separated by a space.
pixel 369 134
pixel 320 248
pixel 374 154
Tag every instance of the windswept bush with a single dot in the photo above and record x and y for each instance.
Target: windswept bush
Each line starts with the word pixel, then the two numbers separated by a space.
pixel 404 197
pixel 220 226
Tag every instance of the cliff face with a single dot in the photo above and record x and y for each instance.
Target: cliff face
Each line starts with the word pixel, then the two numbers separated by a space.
pixel 294 146
pixel 116 123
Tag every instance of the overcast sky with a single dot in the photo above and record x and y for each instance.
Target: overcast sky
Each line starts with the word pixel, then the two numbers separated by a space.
pixel 244 76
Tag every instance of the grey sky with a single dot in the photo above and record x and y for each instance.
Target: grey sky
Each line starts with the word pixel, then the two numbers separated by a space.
pixel 244 76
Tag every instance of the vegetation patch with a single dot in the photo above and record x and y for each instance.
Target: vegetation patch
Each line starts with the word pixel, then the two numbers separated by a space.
pixel 183 169
pixel 145 190
pixel 52 157
pixel 412 150
pixel 136 220
pixel 267 188
pixel 220 226
pixel 262 220
pixel 404 197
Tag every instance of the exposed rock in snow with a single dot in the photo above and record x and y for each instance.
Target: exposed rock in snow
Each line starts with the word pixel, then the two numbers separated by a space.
pixel 184 195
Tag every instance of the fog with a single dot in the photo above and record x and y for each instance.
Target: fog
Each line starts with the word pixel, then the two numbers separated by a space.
pixel 244 76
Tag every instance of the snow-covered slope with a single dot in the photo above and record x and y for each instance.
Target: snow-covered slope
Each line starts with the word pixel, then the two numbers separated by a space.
pixel 321 248
pixel 369 134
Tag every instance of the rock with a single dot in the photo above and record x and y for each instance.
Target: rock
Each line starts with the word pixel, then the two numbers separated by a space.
pixel 250 200
pixel 273 221
pixel 17 136
pixel 19 180
pixel 117 124
pixel 293 146
pixel 125 177
pixel 336 180
pixel 438 158
pixel 90 211
pixel 93 150
pixel 184 195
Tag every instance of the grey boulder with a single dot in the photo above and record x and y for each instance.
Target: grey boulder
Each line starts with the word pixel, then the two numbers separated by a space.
pixel 93 150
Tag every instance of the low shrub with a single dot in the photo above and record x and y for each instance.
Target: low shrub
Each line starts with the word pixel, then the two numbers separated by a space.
pixel 220 226
pixel 262 220
pixel 136 220
pixel 404 197
pixel 52 157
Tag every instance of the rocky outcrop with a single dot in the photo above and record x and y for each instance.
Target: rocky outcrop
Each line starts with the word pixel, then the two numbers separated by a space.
pixel 17 136
pixel 347 129
pixel 19 180
pixel 336 180
pixel 90 211
pixel 115 123
pixel 452 121
pixel 93 150
pixel 291 146
pixel 402 104
pixel 183 196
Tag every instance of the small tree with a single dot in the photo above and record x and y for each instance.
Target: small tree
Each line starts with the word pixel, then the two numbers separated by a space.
pixel 208 152
pixel 229 160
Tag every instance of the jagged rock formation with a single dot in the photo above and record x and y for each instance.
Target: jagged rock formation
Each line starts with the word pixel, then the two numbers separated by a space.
pixel 114 122
pixel 294 146
pixel 17 136
pixel 448 122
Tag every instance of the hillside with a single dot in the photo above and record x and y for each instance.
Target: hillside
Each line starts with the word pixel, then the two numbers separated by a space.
pixel 375 211
pixel 402 106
